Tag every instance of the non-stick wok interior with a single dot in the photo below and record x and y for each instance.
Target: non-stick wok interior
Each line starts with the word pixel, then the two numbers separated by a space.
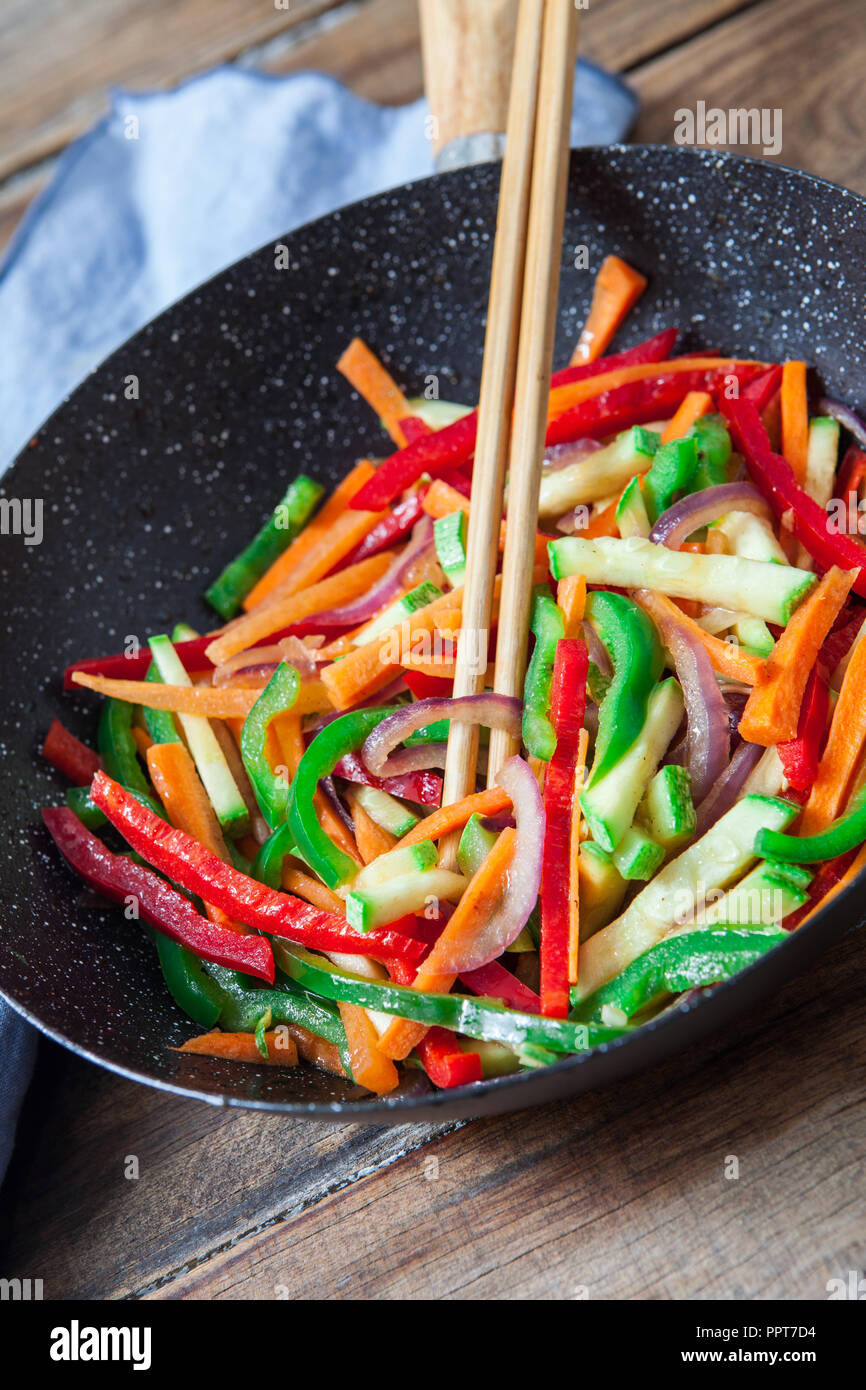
pixel 146 498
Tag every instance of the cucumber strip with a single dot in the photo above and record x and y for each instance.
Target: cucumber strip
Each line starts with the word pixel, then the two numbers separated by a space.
pixel 755 636
pixel 667 810
pixel 714 861
pixel 289 517
pixel 750 537
pixel 475 1018
pixel 637 856
pixel 386 810
pixel 601 888
pixel 765 590
pixel 403 608
pixel 449 535
pixel 767 777
pixel 381 903
pixel 225 797
pixel 159 722
pixel 476 842
pixel 438 414
pixel 610 803
pixel 414 859
pixel 631 513
pixel 761 899
pixel 821 458
pixel 603 472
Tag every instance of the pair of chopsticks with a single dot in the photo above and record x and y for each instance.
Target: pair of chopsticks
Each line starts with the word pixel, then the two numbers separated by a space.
pixel 515 380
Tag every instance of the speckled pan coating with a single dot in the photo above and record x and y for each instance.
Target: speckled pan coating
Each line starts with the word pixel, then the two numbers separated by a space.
pixel 145 500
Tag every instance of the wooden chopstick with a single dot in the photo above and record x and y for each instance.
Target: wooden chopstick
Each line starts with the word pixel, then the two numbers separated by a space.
pixel 535 356
pixel 496 397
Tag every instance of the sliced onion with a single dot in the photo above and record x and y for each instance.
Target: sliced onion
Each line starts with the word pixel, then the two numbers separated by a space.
pixel 846 416
pixel 563 455
pixel 708 740
pixel 393 583
pixel 523 881
pixel 416 759
pixel 726 790
pixel 328 788
pixel 494 711
pixel 598 653
pixel 700 508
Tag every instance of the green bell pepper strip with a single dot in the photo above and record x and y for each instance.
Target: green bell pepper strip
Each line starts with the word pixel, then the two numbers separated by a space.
pixel 844 833
pixel 289 517
pixel 635 652
pixel 160 722
pixel 188 983
pixel 279 695
pixel 473 1017
pixel 244 1004
pixel 714 452
pixel 268 865
pixel 117 747
pixel 688 960
pixel 332 865
pixel 672 470
pixel 548 625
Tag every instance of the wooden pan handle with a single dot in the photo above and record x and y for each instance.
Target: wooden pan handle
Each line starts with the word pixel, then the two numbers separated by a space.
pixel 468 48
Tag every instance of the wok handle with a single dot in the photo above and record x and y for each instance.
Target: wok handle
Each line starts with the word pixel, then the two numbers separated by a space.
pixel 468 48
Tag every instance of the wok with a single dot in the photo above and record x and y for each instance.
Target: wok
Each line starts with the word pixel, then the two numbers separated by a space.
pixel 145 500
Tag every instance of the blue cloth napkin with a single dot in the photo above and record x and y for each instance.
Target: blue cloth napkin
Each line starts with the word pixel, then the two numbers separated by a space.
pixel 165 191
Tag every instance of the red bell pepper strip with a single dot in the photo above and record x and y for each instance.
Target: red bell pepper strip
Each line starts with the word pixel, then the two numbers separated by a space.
pixel 763 388
pixel 423 787
pixel 413 428
pixel 826 878
pixel 195 868
pixel 69 755
pixel 134 668
pixel 454 445
pixel 840 641
pixel 638 402
pixel 567 709
pixel 493 981
pixel 389 530
pixel 425 687
pixel 800 755
pixel 170 912
pixel 444 1060
pixel 774 477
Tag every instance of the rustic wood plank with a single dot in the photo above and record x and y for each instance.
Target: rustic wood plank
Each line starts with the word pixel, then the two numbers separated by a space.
pixel 70 1216
pixel 781 54
pixel 619 1194
pixel 57 59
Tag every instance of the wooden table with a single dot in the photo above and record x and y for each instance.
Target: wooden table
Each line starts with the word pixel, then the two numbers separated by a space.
pixel 733 1171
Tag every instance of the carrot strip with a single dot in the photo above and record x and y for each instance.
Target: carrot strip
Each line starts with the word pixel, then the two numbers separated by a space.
pixel 563 398
pixel 726 659
pixel 442 500
pixel 690 409
pixel 574 861
pixel 142 738
pixel 286 730
pixel 342 538
pixel 311 534
pixel 617 289
pixel 772 711
pixel 571 598
pixel 371 839
pixel 604 523
pixel 212 702
pixel 370 1067
pixel 374 384
pixel 844 750
pixel 478 900
pixel 281 613
pixel 188 807
pixel 448 818
pixel 302 886
pixel 795 417
pixel 241 1047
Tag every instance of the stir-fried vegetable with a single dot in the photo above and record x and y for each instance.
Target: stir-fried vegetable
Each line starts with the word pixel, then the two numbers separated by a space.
pixel 696 647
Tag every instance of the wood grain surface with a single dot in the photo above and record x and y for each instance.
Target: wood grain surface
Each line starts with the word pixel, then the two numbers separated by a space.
pixel 623 1193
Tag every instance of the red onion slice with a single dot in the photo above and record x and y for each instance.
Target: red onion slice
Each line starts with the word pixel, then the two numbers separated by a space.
pixel 846 417
pixel 700 508
pixel 494 711
pixel 385 590
pixel 523 880
pixel 726 790
pixel 563 455
pixel 708 740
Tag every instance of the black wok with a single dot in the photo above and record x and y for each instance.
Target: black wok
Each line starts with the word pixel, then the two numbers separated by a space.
pixel 145 500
